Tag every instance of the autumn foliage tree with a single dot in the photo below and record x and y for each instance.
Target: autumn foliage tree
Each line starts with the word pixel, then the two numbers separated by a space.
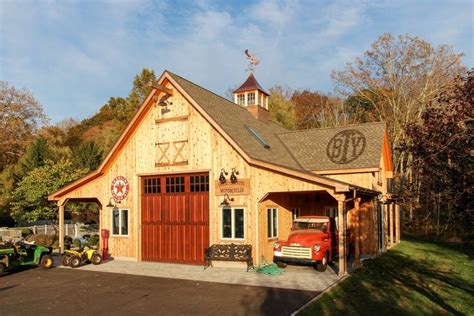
pixel 441 144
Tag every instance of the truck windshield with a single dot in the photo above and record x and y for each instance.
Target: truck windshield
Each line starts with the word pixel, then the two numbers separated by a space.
pixel 305 225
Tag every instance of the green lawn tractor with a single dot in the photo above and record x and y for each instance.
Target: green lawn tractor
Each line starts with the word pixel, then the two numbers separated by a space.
pixel 20 254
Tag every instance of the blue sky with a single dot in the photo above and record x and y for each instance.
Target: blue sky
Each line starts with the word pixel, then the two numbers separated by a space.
pixel 74 55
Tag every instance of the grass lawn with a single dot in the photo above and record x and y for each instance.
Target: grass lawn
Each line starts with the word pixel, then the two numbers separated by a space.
pixel 415 278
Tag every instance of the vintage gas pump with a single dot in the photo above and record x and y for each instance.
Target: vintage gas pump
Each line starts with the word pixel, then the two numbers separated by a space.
pixel 105 243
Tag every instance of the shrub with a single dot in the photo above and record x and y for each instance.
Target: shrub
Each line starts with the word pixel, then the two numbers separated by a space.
pixel 25 232
pixel 67 240
pixel 77 243
pixel 94 240
pixel 56 244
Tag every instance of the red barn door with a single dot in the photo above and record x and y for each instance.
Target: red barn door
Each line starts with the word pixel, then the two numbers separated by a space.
pixel 175 218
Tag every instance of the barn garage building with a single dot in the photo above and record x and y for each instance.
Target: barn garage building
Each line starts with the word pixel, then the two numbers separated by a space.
pixel 194 169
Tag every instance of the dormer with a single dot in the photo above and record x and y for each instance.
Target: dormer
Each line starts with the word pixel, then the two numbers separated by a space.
pixel 253 97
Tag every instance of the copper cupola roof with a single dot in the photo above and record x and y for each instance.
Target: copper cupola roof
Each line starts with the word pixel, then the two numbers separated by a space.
pixel 251 84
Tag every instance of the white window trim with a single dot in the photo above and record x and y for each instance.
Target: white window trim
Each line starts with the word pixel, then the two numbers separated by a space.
pixel 120 222
pixel 232 223
pixel 273 223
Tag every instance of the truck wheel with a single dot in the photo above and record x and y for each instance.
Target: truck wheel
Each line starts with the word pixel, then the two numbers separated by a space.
pixel 75 261
pixel 96 259
pixel 281 265
pixel 46 262
pixel 321 266
pixel 66 260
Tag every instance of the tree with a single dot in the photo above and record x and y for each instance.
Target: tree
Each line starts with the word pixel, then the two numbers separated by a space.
pixel 88 156
pixel 36 155
pixel 30 198
pixel 398 76
pixel 280 106
pixel 441 145
pixel 20 117
pixel 140 89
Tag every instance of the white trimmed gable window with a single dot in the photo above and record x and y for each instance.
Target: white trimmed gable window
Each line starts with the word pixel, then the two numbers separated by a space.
pixel 241 99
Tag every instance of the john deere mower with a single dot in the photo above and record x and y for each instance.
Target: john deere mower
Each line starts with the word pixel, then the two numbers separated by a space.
pixel 21 254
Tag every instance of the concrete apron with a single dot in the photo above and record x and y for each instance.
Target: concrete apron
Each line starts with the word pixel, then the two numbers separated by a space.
pixel 294 277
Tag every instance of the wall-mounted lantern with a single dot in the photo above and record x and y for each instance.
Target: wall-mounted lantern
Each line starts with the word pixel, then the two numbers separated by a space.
pixel 226 201
pixel 112 204
pixel 233 176
pixel 222 178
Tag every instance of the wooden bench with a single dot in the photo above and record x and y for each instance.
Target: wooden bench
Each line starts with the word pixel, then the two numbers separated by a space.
pixel 228 252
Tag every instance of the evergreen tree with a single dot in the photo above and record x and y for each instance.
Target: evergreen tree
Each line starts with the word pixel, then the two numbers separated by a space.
pixel 88 156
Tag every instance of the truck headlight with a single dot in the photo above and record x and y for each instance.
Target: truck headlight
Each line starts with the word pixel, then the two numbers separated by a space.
pixel 317 248
pixel 276 245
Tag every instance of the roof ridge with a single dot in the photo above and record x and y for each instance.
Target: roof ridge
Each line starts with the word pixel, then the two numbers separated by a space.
pixel 333 127
pixel 217 95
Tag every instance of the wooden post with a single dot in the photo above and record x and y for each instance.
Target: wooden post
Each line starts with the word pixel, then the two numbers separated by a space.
pixel 397 223
pixel 342 237
pixel 61 228
pixel 390 214
pixel 357 239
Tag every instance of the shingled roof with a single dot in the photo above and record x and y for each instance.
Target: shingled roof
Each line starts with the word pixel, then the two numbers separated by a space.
pixel 323 148
pixel 234 120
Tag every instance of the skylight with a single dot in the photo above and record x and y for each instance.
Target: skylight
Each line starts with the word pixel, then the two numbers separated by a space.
pixel 257 136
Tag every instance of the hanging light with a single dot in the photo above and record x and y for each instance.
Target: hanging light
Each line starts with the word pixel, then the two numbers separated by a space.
pixel 110 203
pixel 233 177
pixel 227 200
pixel 222 178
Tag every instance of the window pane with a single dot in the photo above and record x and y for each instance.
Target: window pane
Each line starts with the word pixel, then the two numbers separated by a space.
pixel 226 223
pixel 115 222
pixel 269 222
pixel 239 223
pixel 124 222
pixel 275 223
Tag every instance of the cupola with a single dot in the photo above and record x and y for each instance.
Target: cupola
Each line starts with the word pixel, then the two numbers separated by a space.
pixel 253 97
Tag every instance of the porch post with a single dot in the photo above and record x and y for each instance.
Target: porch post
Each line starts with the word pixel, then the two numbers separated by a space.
pixel 390 213
pixel 397 223
pixel 341 237
pixel 61 227
pixel 357 240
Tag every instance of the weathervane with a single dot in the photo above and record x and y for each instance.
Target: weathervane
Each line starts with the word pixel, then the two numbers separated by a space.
pixel 253 61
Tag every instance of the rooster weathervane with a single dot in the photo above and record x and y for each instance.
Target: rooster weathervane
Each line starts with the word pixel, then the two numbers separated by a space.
pixel 253 61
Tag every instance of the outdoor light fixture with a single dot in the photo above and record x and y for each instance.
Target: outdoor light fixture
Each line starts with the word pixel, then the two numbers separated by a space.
pixel 222 179
pixel 226 200
pixel 110 203
pixel 233 177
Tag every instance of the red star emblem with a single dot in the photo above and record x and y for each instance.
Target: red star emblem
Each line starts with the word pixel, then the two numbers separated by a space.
pixel 119 187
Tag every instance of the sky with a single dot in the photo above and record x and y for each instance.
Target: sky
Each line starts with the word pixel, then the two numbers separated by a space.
pixel 74 55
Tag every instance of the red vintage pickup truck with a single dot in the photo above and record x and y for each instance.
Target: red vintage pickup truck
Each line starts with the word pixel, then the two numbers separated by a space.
pixel 313 241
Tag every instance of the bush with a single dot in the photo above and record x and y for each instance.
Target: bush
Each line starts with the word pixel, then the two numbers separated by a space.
pixel 25 232
pixel 77 243
pixel 67 240
pixel 56 244
pixel 43 240
pixel 94 240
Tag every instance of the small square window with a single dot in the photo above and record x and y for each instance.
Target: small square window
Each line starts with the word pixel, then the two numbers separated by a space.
pixel 251 98
pixel 241 99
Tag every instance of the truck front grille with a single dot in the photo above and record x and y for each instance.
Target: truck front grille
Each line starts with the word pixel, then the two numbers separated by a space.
pixel 296 252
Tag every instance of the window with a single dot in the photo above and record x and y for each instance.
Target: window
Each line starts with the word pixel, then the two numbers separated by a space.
pixel 251 98
pixel 272 222
pixel 119 222
pixel 232 223
pixel 152 185
pixel 241 99
pixel 295 213
pixel 174 184
pixel 199 183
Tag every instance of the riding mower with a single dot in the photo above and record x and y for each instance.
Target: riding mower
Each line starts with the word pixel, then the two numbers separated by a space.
pixel 75 258
pixel 21 254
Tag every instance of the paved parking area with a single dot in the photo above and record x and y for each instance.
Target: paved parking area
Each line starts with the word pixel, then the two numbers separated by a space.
pixel 66 291
pixel 294 277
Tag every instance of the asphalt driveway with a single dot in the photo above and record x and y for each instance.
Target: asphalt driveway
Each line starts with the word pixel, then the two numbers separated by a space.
pixel 77 292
